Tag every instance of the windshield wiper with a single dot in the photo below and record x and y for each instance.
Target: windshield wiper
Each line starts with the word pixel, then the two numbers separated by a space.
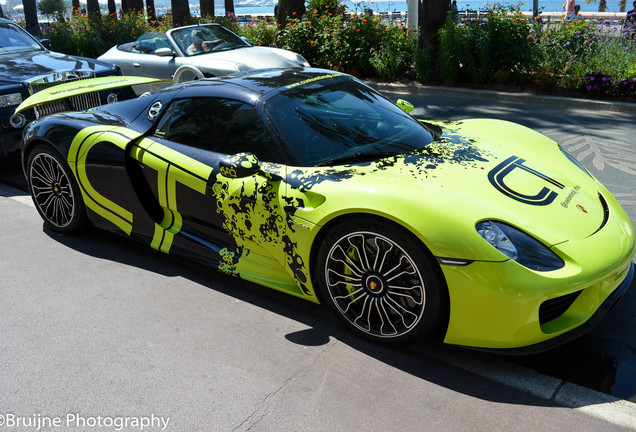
pixel 357 157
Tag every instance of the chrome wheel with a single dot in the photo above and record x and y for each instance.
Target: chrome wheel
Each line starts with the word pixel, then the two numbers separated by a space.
pixel 51 190
pixel 375 284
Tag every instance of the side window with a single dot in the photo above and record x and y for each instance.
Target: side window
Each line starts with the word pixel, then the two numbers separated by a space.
pixel 220 125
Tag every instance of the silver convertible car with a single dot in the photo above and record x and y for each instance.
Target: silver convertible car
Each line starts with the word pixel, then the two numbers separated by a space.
pixel 194 52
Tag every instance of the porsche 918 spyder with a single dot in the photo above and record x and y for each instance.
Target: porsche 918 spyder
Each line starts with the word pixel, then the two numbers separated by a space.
pixel 483 232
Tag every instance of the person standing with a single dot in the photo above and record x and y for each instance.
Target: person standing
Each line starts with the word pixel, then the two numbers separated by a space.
pixel 630 18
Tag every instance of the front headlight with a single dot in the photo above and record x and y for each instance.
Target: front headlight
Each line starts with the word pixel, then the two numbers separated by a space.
pixel 10 100
pixel 519 246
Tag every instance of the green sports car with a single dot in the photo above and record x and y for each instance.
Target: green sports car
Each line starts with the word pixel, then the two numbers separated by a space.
pixel 481 232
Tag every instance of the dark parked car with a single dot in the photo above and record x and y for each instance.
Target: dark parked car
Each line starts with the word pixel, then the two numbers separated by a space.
pixel 28 66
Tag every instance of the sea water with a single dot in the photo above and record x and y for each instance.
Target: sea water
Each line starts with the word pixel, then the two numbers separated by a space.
pixel 267 7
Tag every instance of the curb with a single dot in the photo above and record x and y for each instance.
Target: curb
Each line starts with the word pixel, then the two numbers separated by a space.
pixel 609 408
pixel 520 98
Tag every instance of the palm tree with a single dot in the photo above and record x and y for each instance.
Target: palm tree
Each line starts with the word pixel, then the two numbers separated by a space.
pixel 31 17
pixel 180 12
pixel 92 7
pixel 112 9
pixel 286 9
pixel 207 7
pixel 431 18
pixel 150 10
pixel 229 7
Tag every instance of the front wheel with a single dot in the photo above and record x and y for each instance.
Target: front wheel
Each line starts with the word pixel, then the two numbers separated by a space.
pixel 54 191
pixel 187 73
pixel 380 282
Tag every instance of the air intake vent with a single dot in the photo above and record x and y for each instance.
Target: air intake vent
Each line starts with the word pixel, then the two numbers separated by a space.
pixel 555 307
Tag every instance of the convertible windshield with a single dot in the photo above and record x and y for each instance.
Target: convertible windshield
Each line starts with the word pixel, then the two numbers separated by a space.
pixel 342 122
pixel 206 38
pixel 13 39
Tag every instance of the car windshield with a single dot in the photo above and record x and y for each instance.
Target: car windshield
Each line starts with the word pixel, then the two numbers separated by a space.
pixel 13 39
pixel 205 39
pixel 340 121
pixel 148 43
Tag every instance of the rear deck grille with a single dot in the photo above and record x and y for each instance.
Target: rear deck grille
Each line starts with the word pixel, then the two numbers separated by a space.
pixel 554 308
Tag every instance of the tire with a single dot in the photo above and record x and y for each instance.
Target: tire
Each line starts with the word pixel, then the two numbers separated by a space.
pixel 187 73
pixel 55 192
pixel 380 282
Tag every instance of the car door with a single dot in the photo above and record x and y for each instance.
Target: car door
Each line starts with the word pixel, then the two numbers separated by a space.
pixel 147 63
pixel 204 211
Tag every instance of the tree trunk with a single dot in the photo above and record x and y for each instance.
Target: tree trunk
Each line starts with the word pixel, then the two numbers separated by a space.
pixel 602 5
pixel 31 17
pixel 621 5
pixel 152 12
pixel 92 7
pixel 229 7
pixel 112 9
pixel 207 8
pixel 432 15
pixel 180 12
pixel 286 9
pixel 135 5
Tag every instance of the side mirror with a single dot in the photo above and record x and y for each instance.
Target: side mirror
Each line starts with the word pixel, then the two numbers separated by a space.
pixel 240 165
pixel 164 52
pixel 405 106
pixel 46 43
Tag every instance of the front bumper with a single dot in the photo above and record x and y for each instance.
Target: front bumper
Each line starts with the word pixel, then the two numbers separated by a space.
pixel 589 325
pixel 496 305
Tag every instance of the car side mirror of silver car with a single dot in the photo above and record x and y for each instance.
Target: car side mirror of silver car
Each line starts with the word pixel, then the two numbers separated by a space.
pixel 164 52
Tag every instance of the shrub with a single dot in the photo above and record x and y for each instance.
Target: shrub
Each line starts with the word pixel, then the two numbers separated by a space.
pixel 88 37
pixel 361 45
pixel 496 49
pixel 258 32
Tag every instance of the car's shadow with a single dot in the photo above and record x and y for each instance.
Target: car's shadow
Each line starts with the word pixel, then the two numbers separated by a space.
pixel 424 360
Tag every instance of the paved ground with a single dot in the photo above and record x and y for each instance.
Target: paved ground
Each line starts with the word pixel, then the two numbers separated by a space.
pixel 92 326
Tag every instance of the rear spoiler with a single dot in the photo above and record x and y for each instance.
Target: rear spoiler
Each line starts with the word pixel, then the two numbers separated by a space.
pixel 81 87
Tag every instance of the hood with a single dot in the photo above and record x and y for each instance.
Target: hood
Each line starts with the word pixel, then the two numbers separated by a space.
pixel 254 57
pixel 25 66
pixel 478 170
pixel 526 180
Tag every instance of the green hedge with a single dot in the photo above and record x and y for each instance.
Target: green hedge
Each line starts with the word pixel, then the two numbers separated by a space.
pixel 506 47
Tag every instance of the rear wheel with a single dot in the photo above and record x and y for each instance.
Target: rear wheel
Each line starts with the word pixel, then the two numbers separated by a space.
pixel 54 191
pixel 380 282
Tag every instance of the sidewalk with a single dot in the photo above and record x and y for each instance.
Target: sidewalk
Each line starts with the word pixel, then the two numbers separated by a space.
pixel 520 98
